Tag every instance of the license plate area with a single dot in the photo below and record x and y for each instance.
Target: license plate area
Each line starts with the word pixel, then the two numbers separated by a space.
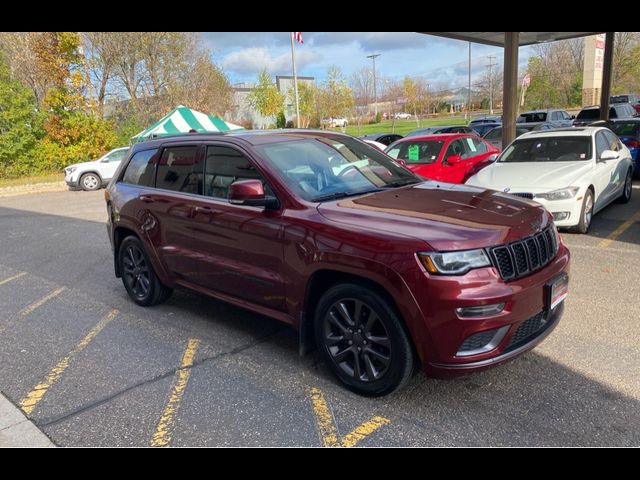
pixel 557 291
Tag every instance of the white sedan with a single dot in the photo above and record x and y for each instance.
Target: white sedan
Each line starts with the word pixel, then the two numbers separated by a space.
pixel 574 172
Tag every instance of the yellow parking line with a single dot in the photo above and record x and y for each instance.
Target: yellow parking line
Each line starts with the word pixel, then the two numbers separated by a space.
pixel 7 280
pixel 327 426
pixel 619 231
pixel 324 419
pixel 43 300
pixel 162 436
pixel 38 392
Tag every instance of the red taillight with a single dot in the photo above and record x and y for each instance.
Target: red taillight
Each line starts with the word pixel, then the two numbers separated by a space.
pixel 633 144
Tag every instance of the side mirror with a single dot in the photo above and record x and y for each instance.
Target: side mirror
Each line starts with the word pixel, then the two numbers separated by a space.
pixel 492 158
pixel 105 160
pixel 609 155
pixel 454 159
pixel 401 162
pixel 251 193
pixel 573 117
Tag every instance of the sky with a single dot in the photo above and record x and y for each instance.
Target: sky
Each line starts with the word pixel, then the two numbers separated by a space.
pixel 440 61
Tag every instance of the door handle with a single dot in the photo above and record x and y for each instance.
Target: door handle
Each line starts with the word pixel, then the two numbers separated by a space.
pixel 205 210
pixel 146 199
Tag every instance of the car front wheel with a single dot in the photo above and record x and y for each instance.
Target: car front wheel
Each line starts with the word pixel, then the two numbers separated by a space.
pixel 362 339
pixel 90 181
pixel 627 190
pixel 586 213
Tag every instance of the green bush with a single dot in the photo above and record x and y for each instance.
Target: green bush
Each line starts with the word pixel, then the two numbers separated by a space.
pixel 281 120
pixel 378 117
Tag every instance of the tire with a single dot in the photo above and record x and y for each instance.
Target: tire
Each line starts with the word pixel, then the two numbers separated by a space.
pixel 627 190
pixel 371 356
pixel 586 213
pixel 139 278
pixel 90 182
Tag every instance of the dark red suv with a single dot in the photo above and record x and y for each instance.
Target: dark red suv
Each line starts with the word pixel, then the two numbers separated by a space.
pixel 326 233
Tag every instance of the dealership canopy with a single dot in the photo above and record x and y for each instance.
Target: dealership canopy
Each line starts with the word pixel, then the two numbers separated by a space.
pixel 185 120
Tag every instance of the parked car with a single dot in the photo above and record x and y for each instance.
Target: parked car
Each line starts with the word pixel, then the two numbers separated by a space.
pixel 494 136
pixel 481 129
pixel 634 100
pixel 378 145
pixel 380 269
pixel 628 130
pixel 96 173
pixel 441 129
pixel 402 116
pixel 485 119
pixel 451 157
pixel 386 138
pixel 335 122
pixel 558 118
pixel 573 172
pixel 588 115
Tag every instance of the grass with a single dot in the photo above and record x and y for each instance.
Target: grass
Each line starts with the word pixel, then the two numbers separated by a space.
pixel 402 127
pixel 12 182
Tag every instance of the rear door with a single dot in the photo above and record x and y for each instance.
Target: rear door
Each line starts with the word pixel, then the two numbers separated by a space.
pixel 453 173
pixel 604 172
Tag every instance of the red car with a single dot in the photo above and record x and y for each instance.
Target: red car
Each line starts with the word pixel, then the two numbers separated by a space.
pixel 447 157
pixel 379 269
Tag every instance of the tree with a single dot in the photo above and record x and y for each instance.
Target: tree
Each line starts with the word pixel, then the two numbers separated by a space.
pixel 265 97
pixel 307 93
pixel 542 93
pixel 101 62
pixel 362 86
pixel 335 98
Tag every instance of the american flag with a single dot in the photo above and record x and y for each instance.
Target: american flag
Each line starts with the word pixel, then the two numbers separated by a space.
pixel 297 36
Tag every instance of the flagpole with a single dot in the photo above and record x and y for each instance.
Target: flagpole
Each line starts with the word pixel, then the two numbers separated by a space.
pixel 295 79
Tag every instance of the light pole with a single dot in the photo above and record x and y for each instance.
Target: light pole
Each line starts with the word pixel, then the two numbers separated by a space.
pixel 375 93
pixel 491 64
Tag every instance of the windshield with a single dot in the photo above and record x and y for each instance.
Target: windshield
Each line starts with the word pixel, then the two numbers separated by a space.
pixel 548 149
pixel 630 129
pixel 619 99
pixel 426 151
pixel 322 168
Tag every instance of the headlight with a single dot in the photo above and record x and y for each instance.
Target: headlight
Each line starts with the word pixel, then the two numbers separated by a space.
pixel 71 169
pixel 454 263
pixel 560 194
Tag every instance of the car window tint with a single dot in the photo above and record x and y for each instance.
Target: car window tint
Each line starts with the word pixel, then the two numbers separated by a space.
pixel 140 169
pixel 548 149
pixel 180 170
pixel 588 114
pixel 117 156
pixel 223 166
pixel 456 147
pixel 417 152
pixel 612 140
pixel 628 129
pixel 494 134
pixel 479 146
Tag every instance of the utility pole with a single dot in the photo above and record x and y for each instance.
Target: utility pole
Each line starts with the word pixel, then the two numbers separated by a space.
pixel 490 66
pixel 469 88
pixel 375 93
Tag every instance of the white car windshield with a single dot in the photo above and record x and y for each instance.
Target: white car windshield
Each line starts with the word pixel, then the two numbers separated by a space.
pixel 548 149
pixel 323 168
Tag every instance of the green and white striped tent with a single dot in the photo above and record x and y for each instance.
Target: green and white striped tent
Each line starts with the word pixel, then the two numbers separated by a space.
pixel 182 120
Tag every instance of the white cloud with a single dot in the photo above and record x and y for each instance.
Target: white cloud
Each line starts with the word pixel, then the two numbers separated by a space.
pixel 249 61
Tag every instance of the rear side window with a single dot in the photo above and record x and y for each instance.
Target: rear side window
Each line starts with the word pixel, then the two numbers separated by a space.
pixel 180 169
pixel 589 114
pixel 140 169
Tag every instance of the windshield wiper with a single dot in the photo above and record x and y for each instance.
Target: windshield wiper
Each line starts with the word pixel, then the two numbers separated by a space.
pixel 401 183
pixel 336 195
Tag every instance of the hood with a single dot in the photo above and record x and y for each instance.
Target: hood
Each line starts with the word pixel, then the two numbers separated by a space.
pixel 83 165
pixel 446 216
pixel 530 176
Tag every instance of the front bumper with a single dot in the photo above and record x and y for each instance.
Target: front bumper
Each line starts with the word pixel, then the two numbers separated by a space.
pixel 573 206
pixel 525 301
pixel 72 179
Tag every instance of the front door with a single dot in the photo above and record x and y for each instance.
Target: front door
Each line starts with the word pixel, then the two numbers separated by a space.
pixel 240 251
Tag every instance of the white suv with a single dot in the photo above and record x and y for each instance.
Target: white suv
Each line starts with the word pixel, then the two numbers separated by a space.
pixel 402 116
pixel 93 175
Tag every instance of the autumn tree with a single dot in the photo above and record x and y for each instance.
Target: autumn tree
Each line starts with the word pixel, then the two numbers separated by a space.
pixel 265 97
pixel 335 97
pixel 307 102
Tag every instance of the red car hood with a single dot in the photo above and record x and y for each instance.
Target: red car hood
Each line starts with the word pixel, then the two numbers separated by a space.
pixel 446 216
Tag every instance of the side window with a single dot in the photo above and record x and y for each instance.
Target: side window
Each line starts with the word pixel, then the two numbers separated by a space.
pixel 566 115
pixel 455 148
pixel 117 156
pixel 612 140
pixel 180 170
pixel 479 146
pixel 140 169
pixel 555 116
pixel 225 165
pixel 494 134
pixel 601 144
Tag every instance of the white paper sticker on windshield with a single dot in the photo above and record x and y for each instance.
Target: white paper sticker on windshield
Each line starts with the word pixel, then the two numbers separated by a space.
pixel 583 156
pixel 471 144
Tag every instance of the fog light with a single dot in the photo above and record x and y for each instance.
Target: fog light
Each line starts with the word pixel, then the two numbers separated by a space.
pixel 557 216
pixel 480 311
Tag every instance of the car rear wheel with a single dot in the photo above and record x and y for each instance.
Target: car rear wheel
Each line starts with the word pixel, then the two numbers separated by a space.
pixel 90 181
pixel 362 339
pixel 627 190
pixel 139 278
pixel 586 213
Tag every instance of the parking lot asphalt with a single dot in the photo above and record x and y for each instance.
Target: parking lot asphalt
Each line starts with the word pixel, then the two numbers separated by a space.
pixel 91 368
